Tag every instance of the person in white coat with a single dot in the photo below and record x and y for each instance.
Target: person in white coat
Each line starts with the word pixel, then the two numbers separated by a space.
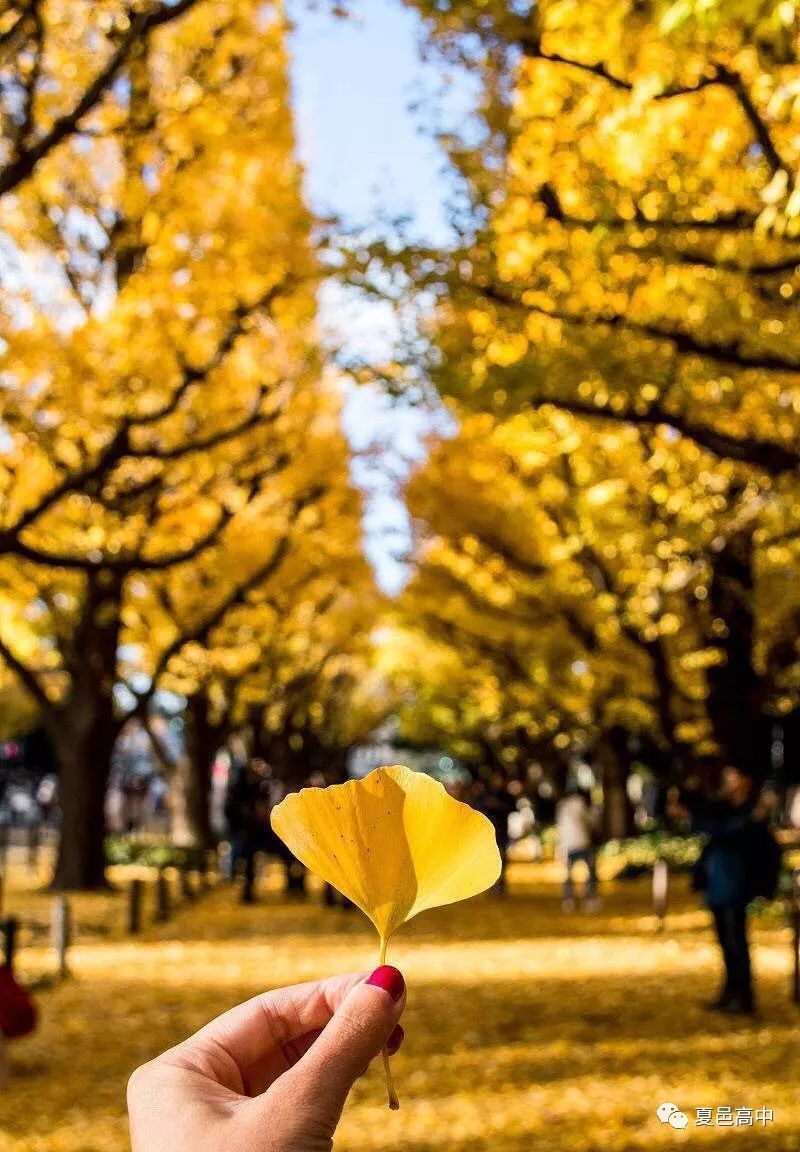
pixel 574 825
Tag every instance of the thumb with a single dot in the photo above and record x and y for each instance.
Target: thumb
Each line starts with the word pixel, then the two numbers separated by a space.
pixel 355 1035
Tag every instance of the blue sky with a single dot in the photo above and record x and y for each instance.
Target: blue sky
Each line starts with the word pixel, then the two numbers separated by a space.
pixel 354 80
pixel 366 156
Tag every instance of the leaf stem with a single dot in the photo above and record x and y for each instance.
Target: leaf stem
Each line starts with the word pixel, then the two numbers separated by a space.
pixel 394 1102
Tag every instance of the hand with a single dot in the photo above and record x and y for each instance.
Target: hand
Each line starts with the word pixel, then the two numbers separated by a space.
pixel 273 1074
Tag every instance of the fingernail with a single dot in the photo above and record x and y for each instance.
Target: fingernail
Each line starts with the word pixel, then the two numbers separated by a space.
pixel 390 980
pixel 395 1040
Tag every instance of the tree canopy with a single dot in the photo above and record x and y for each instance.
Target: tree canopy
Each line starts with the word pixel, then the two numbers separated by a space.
pixel 172 461
pixel 607 540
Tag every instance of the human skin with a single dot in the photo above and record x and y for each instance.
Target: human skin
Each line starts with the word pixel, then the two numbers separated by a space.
pixel 273 1074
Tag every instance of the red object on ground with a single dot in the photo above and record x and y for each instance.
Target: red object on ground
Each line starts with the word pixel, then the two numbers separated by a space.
pixel 17 1009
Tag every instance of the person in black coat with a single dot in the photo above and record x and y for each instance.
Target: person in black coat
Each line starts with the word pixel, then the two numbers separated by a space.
pixel 724 875
pixel 247 811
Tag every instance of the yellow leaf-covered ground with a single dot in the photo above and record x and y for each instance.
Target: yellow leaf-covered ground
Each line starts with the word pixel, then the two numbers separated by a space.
pixel 526 1028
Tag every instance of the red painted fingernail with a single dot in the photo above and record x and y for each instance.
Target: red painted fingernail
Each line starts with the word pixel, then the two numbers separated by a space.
pixel 395 1040
pixel 390 980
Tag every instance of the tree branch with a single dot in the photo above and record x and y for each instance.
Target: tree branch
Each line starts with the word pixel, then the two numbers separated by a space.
pixel 532 49
pixel 25 125
pixel 27 676
pixel 13 30
pixel 537 607
pixel 734 82
pixel 766 268
pixel 120 564
pixel 114 451
pixel 194 374
pixel 730 354
pixel 737 221
pixel 201 632
pixel 253 419
pixel 21 168
pixel 722 75
pixel 773 457
pixel 119 446
pixel 162 753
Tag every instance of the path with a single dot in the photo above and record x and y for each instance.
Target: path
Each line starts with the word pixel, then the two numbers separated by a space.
pixel 527 1029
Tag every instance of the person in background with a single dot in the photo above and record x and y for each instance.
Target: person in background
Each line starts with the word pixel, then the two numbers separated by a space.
pixel 247 811
pixel 497 804
pixel 134 788
pixel 725 873
pixel 575 835
pixel 47 799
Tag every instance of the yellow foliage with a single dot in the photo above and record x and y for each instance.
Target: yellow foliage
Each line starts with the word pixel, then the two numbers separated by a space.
pixel 395 843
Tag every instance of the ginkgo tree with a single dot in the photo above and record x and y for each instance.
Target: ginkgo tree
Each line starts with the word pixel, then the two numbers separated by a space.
pixel 619 303
pixel 632 254
pixel 538 656
pixel 318 693
pixel 567 606
pixel 246 652
pixel 158 339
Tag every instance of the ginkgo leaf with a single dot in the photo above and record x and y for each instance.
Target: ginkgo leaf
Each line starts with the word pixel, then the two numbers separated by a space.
pixel 395 843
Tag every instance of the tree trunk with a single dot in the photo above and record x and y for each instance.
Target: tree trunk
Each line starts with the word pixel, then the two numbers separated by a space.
pixel 735 691
pixel 84 730
pixel 193 778
pixel 83 766
pixel 617 817
pixel 665 691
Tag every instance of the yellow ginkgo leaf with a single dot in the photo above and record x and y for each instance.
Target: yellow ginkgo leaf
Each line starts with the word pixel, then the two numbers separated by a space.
pixel 395 843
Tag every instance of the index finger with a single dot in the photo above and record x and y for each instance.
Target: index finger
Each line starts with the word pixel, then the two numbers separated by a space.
pixel 253 1034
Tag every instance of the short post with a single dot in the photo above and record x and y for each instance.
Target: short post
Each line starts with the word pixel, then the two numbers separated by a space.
pixel 660 891
pixel 212 866
pixel 202 867
pixel 61 932
pixel 794 907
pixel 135 907
pixel 34 842
pixel 225 861
pixel 10 926
pixel 187 889
pixel 162 897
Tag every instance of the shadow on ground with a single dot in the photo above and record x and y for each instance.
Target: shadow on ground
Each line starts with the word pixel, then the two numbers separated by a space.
pixel 526 1028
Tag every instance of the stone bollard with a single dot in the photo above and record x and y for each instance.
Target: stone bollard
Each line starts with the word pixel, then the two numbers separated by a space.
pixel 61 932
pixel 203 869
pixel 163 904
pixel 187 888
pixel 135 893
pixel 660 891
pixel 10 928
pixel 34 844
